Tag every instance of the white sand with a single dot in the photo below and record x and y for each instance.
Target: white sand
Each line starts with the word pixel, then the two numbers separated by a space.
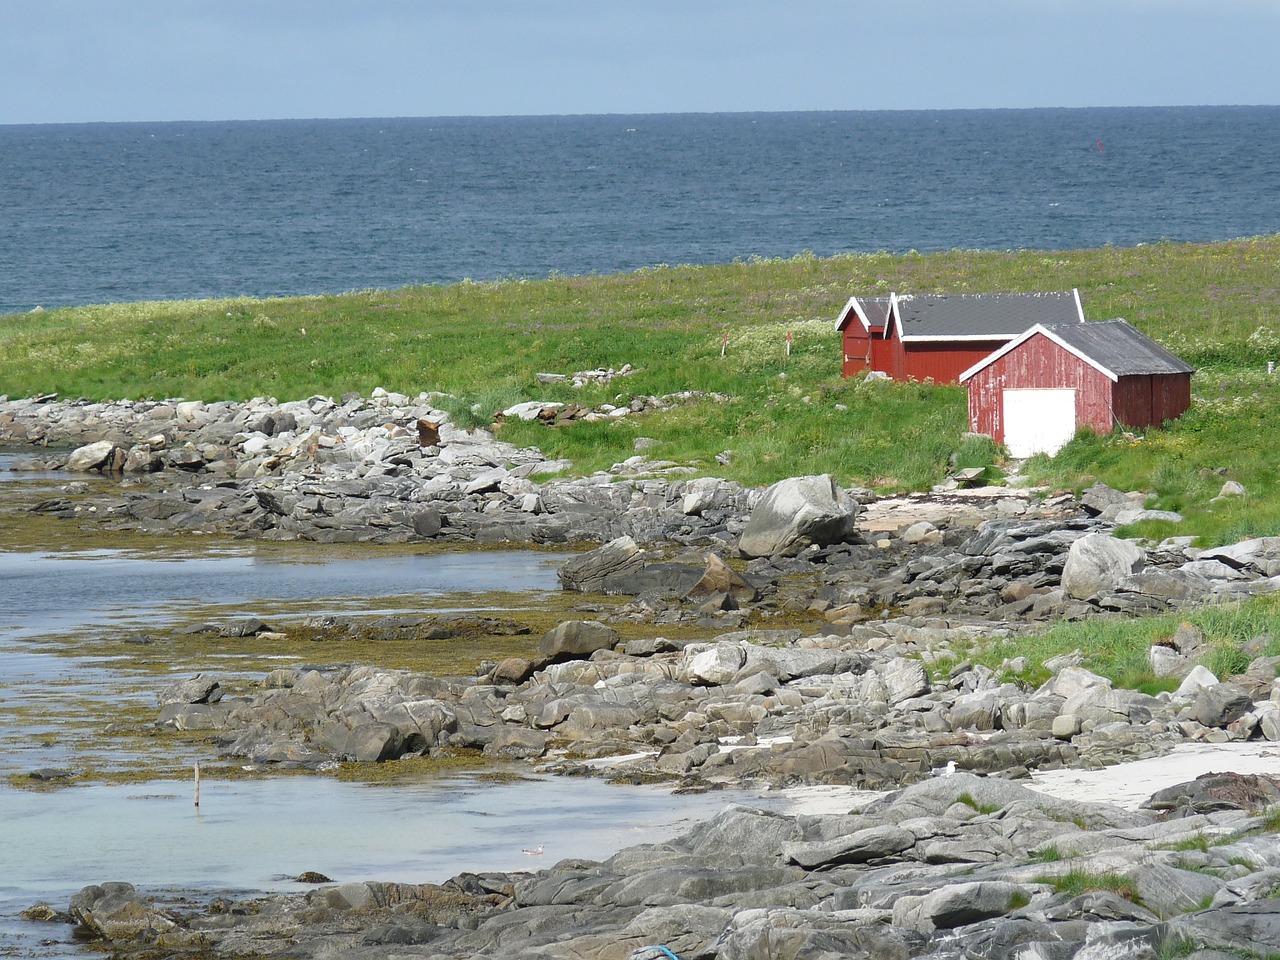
pixel 1126 784
pixel 1130 784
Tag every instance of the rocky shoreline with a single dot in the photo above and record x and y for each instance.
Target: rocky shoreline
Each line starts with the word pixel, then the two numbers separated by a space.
pixel 954 866
pixel 875 697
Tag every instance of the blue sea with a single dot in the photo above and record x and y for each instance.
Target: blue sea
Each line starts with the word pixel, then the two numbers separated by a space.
pixel 96 213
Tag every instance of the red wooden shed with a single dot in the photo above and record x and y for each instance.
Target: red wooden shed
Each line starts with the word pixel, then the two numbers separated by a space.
pixel 1035 392
pixel 862 321
pixel 937 337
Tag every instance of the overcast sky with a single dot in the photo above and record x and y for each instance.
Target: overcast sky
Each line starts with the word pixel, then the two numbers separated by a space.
pixel 83 60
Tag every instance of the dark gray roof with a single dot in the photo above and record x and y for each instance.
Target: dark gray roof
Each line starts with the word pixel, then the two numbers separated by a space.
pixel 1120 348
pixel 993 316
pixel 876 309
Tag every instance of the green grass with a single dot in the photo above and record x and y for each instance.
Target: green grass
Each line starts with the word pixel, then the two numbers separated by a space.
pixel 1176 947
pixel 967 799
pixel 1118 648
pixel 1198 842
pixel 1076 882
pixel 483 343
pixel 1047 854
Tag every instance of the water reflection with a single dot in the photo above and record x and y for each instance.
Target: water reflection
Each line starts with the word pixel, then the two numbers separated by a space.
pixel 41 593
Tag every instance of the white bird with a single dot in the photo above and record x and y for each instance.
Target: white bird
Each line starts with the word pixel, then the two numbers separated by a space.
pixel 946 771
pixel 533 851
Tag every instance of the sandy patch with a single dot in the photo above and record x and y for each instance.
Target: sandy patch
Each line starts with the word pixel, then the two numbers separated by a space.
pixel 1126 785
pixel 1130 784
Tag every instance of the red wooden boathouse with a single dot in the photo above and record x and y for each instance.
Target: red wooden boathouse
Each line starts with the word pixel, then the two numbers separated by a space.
pixel 862 321
pixel 937 337
pixel 1035 392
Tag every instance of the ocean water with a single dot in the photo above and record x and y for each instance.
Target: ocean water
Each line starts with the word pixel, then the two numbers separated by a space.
pixel 96 213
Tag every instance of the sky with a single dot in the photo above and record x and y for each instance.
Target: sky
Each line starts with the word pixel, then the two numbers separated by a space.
pixel 98 60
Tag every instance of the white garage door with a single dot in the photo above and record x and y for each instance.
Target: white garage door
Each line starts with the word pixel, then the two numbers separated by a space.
pixel 1038 421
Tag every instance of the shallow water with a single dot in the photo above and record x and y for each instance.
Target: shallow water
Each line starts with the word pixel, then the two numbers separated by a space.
pixel 254 835
pixel 47 592
pixel 257 835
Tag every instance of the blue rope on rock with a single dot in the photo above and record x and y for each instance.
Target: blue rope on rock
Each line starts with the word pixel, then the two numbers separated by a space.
pixel 664 950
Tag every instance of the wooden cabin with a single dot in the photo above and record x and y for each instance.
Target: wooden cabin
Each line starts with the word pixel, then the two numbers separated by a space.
pixel 938 337
pixel 1036 391
pixel 862 321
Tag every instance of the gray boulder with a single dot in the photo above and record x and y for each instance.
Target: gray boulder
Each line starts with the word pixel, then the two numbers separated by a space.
pixel 1261 554
pixel 421 723
pixel 790 934
pixel 197 689
pixel 1098 562
pixel 797 512
pixel 576 639
pixel 719 578
pixel 1197 678
pixel 1176 586
pixel 903 679
pixel 1100 497
pixel 1247 929
pixel 1168 891
pixel 362 742
pixel 958 904
pixel 1217 791
pixel 871 845
pixel 1220 704
pixel 716 665
pixel 517 743
pixel 114 911
pixel 740 834
pixel 587 573
pixel 91 456
pixel 1167 662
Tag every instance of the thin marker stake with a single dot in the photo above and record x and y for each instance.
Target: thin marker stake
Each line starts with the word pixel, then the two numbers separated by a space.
pixel 197 784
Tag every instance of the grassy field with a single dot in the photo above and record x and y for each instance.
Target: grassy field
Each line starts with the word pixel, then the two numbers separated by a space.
pixel 483 343
pixel 1216 305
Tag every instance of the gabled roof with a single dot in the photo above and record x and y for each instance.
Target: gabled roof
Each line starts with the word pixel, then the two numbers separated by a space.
pixel 979 316
pixel 1112 347
pixel 872 312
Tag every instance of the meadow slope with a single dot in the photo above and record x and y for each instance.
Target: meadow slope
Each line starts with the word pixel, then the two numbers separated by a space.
pixel 775 416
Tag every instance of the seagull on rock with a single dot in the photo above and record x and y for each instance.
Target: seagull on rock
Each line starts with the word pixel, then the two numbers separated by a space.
pixel 946 771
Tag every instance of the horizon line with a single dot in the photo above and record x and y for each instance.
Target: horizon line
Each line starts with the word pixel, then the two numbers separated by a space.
pixel 653 113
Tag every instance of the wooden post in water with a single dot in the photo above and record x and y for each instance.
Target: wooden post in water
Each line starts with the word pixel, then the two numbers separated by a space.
pixel 197 784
